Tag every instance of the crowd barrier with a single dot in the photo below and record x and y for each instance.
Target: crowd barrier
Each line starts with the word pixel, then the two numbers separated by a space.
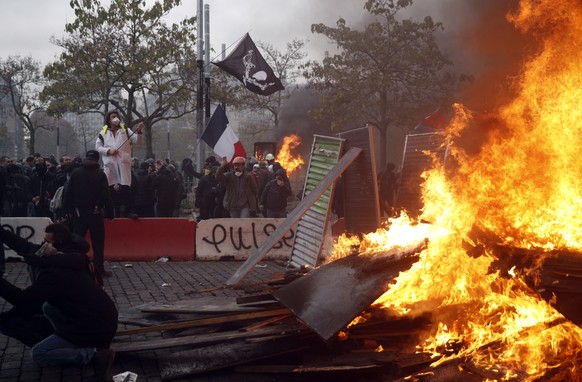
pixel 148 239
pixel 178 239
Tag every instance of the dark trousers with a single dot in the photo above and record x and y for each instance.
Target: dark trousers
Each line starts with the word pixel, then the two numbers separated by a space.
pixel 92 221
pixel 2 260
pixel 122 201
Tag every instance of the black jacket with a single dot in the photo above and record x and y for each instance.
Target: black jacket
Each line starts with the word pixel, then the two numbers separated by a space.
pixel 87 188
pixel 274 197
pixel 166 184
pixel 63 282
pixel 144 189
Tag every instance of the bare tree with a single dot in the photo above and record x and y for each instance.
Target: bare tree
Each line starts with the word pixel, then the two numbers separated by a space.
pixel 23 83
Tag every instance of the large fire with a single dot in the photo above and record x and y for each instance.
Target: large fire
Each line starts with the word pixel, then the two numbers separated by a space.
pixel 285 156
pixel 524 186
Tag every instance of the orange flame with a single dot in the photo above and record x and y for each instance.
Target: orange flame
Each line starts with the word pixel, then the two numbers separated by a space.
pixel 524 187
pixel 287 160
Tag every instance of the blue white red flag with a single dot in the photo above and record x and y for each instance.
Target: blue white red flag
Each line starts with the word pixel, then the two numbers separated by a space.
pixel 221 138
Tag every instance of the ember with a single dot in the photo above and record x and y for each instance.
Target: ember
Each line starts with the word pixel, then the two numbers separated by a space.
pixel 524 188
pixel 285 157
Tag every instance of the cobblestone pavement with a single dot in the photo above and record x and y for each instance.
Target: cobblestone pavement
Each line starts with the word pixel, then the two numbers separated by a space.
pixel 132 284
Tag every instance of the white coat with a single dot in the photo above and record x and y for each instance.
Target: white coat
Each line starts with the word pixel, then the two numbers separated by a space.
pixel 117 167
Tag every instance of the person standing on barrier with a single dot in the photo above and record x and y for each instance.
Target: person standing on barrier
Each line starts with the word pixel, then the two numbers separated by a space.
pixel 241 190
pixel 87 202
pixel 114 143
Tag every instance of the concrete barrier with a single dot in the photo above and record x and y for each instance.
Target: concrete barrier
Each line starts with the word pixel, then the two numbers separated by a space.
pixel 31 229
pixel 237 239
pixel 180 239
pixel 148 239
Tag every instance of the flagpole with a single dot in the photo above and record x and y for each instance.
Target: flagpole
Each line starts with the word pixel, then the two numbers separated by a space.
pixel 200 95
pixel 206 67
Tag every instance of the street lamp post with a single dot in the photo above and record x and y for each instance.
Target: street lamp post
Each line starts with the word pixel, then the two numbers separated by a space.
pixel 168 128
pixel 58 142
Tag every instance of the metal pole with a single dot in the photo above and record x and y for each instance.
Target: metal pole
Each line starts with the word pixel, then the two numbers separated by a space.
pixel 207 66
pixel 168 127
pixel 199 100
pixel 58 142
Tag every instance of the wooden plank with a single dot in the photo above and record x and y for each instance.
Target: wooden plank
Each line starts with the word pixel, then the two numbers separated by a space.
pixel 238 286
pixel 205 339
pixel 199 305
pixel 301 369
pixel 189 362
pixel 204 322
pixel 295 215
pixel 265 323
pixel 265 298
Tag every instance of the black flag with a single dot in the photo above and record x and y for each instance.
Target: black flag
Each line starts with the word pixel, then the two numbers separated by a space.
pixel 246 63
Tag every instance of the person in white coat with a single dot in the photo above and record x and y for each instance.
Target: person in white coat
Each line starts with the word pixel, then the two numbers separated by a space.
pixel 114 143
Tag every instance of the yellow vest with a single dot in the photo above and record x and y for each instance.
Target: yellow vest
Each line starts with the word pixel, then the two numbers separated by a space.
pixel 104 130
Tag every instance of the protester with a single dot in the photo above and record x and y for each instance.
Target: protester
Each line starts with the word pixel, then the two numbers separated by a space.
pixel 65 317
pixel 273 201
pixel 180 189
pixel 270 158
pixel 241 190
pixel 87 201
pixel 39 183
pixel 165 185
pixel 263 177
pixel 5 162
pixel 144 198
pixel 205 198
pixel 61 174
pixel 114 143
pixel 18 192
pixel 188 172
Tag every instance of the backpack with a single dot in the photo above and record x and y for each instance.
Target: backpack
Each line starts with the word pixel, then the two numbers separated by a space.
pixel 57 200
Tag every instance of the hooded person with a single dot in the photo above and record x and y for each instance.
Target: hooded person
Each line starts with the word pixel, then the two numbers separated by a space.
pixel 273 200
pixel 65 317
pixel 40 181
pixel 240 199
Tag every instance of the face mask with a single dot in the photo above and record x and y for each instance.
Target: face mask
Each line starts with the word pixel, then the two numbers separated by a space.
pixel 115 121
pixel 238 173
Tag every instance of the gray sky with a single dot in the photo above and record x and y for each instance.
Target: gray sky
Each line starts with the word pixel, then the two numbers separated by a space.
pixel 477 36
pixel 27 25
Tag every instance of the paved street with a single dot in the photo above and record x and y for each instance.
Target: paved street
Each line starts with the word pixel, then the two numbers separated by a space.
pixel 132 284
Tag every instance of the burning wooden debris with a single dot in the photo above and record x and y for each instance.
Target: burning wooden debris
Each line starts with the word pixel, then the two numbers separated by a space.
pixel 228 332
pixel 321 324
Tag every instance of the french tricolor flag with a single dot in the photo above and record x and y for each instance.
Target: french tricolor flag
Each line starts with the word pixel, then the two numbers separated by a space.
pixel 221 138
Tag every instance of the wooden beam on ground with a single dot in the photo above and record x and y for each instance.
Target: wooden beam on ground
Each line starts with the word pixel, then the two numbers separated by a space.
pixel 204 322
pixel 238 286
pixel 301 369
pixel 200 305
pixel 265 323
pixel 295 215
pixel 207 339
pixel 189 362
